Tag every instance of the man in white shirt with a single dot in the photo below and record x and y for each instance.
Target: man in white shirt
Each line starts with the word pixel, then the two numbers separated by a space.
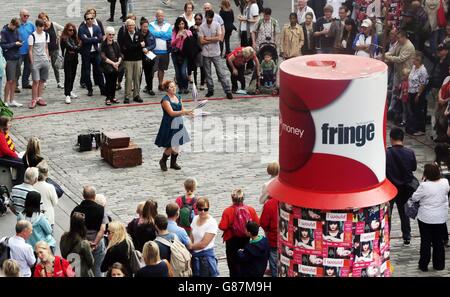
pixel 217 18
pixel 302 9
pixel 21 251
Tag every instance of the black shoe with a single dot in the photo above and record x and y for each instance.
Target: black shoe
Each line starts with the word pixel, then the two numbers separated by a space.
pixel 173 162
pixel 90 93
pixel 118 87
pixel 229 95
pixel 27 87
pixel 138 99
pixel 126 100
pixel 111 20
pixel 151 93
pixel 423 269
pixel 209 94
pixel 406 242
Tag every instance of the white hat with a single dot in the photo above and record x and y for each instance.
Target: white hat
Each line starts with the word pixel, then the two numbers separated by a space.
pixel 366 23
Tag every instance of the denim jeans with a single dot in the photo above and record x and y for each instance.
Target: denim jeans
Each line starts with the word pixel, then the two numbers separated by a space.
pixel 273 259
pixel 180 72
pixel 435 38
pixel 220 71
pixel 99 254
pixel 401 198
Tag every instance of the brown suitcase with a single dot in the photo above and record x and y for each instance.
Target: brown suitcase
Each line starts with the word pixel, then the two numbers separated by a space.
pixel 122 157
pixel 115 139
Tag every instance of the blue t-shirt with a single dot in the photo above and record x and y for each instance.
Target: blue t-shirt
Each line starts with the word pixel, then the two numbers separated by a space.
pixel 25 30
pixel 172 227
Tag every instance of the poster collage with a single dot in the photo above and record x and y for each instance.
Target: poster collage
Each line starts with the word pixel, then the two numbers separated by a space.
pixel 352 243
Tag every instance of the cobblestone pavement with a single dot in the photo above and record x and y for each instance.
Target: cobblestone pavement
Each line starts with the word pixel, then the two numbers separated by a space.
pixel 218 172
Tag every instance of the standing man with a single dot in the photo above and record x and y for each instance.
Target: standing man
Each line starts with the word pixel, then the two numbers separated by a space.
pixel 337 29
pixel 25 29
pixel 147 63
pixel 132 48
pixel 162 31
pixel 91 36
pixel 400 164
pixel 210 35
pixel 401 56
pixel 302 9
pixel 324 42
pixel 206 7
pixel 173 213
pixel 40 62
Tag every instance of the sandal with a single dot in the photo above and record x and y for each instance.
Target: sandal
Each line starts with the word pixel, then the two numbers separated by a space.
pixel 108 102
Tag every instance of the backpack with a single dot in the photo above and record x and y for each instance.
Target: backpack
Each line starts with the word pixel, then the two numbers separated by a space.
pixel 5 251
pixel 241 217
pixel 180 257
pixel 186 212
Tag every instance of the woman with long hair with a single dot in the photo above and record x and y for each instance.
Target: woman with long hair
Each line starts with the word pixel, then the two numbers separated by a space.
pixel 74 242
pixel 155 267
pixel 227 14
pixel 32 156
pixel 70 47
pixel 143 229
pixel 197 63
pixel 119 247
pixel 179 34
pixel 348 36
pixel 50 265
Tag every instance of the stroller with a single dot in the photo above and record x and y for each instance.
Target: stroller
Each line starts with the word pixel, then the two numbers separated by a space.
pixel 267 84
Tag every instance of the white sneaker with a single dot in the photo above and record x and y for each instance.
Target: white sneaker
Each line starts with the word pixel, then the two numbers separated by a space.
pixel 16 104
pixel 45 85
pixel 68 99
pixel 59 86
pixel 241 92
pixel 73 95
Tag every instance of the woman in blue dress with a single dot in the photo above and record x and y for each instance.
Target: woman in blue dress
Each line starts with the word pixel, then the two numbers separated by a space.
pixel 172 132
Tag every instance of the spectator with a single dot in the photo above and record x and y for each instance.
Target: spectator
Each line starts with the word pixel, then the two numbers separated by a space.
pixel 50 265
pixel 248 23
pixel 134 222
pixel 42 229
pixel 188 13
pixel 97 22
pixel 272 169
pixel 19 192
pixel 365 43
pixel 317 6
pixel 348 35
pixel 236 62
pixel 412 28
pixel 254 256
pixel 210 35
pixel 309 47
pixel 198 61
pixel 180 34
pixel 432 195
pixel 337 28
pixel 417 82
pixel 204 230
pixel 217 18
pixel 302 10
pixel 117 270
pixel 437 33
pixel 154 266
pixel 442 153
pixel 11 268
pixel 269 222
pixel 292 38
pixel 112 9
pixel 227 14
pixel 266 30
pixel 164 237
pixel 400 164
pixel 26 28
pixel 48 193
pixel 40 63
pixel 147 63
pixel 94 214
pixel 8 154
pixel 119 248
pixel 91 37
pixel 70 47
pixel 162 31
pixel 21 251
pixel 32 156
pixel 230 224
pixel 112 59
pixel 132 46
pixel 188 202
pixel 324 42
pixel 173 213
pixel 143 229
pixel 11 44
pixel 75 247
pixel 54 30
pixel 120 40
pixel 337 5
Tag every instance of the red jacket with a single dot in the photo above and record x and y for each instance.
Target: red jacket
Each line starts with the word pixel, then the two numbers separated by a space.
pixel 226 223
pixel 61 268
pixel 5 150
pixel 269 221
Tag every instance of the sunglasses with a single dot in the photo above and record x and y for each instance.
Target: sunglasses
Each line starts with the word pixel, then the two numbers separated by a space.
pixel 203 209
pixel 26 15
pixel 111 34
pixel 70 30
pixel 89 19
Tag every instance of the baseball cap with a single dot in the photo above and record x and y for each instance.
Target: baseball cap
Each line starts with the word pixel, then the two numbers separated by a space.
pixel 366 23
pixel 443 46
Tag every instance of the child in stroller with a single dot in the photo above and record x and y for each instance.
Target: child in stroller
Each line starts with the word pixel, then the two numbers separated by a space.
pixel 265 83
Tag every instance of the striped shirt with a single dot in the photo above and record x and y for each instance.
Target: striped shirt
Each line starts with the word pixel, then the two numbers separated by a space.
pixel 19 195
pixel 9 142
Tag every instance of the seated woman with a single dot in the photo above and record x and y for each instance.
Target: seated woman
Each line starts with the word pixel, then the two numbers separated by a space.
pixel 236 62
pixel 8 154
pixel 32 156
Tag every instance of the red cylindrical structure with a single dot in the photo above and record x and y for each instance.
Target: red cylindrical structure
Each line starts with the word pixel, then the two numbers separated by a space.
pixel 332 188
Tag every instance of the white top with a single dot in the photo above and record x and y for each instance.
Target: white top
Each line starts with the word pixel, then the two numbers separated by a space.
pixel 417 77
pixel 336 4
pixel 433 200
pixel 22 252
pixel 190 22
pixel 49 199
pixel 362 40
pixel 301 14
pixel 254 12
pixel 198 232
pixel 264 193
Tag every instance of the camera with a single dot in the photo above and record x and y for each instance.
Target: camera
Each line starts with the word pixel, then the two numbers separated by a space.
pixel 268 38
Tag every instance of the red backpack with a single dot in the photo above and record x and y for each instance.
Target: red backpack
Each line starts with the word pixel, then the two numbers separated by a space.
pixel 241 217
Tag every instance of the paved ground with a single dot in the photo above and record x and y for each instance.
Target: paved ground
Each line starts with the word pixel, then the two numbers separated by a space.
pixel 218 172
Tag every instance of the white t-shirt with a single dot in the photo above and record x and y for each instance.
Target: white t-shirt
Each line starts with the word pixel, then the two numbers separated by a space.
pixel 362 40
pixel 254 12
pixel 39 43
pixel 336 4
pixel 198 232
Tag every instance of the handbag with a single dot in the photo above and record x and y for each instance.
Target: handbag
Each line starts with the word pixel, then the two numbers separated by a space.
pixel 59 190
pixel 411 208
pixel 59 63
pixel 136 260
pixel 441 19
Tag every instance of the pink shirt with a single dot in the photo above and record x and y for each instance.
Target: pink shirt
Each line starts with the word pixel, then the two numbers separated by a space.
pixel 178 42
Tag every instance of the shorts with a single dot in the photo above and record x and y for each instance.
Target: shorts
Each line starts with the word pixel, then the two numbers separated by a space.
pixel 39 70
pixel 11 69
pixel 162 62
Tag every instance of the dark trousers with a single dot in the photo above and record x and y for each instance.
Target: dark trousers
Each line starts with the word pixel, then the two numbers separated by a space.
pixel 431 234
pixel 16 163
pixel 26 70
pixel 70 71
pixel 147 66
pixel 226 41
pixel 86 61
pixel 202 76
pixel 123 8
pixel 419 113
pixel 247 41
pixel 401 198
pixel 232 245
pixel 240 77
pixel 110 88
